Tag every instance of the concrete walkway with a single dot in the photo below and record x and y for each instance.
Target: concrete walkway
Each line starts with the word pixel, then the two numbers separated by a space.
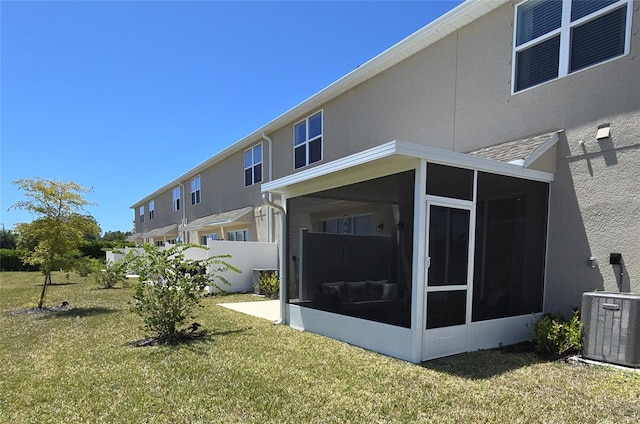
pixel 266 309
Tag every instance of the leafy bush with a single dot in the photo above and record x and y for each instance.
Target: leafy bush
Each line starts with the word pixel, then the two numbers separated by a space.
pixel 85 266
pixel 112 274
pixel 13 260
pixel 557 336
pixel 269 284
pixel 168 290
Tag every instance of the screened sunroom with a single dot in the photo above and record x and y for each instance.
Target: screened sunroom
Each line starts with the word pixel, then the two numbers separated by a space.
pixel 415 252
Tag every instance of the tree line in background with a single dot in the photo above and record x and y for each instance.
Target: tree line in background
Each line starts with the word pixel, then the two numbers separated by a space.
pixel 61 236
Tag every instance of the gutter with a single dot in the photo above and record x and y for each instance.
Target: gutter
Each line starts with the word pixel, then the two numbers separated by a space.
pixel 281 265
pixel 269 169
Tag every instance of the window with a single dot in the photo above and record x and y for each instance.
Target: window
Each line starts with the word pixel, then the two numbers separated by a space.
pixel 152 210
pixel 141 214
pixel 307 141
pixel 208 237
pixel 195 190
pixel 253 165
pixel 555 38
pixel 354 225
pixel 238 235
pixel 176 198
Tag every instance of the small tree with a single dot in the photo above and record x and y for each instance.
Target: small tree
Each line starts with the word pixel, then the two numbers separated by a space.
pixel 170 287
pixel 59 227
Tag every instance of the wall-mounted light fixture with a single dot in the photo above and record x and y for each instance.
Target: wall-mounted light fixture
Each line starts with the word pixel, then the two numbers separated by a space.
pixel 592 261
pixel 604 131
pixel 615 258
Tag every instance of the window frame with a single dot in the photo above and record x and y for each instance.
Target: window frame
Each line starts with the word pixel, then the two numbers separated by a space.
pixel 176 200
pixel 152 210
pixel 245 234
pixel 254 164
pixel 307 142
pixel 565 33
pixel 196 195
pixel 141 214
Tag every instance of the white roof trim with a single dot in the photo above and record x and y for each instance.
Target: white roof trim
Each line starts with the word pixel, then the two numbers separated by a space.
pixel 409 150
pixel 438 29
pixel 541 150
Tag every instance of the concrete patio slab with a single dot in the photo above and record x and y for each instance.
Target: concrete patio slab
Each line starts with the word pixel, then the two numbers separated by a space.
pixel 267 309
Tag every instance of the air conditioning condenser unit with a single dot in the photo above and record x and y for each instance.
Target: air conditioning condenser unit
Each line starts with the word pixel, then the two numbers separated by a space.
pixel 611 330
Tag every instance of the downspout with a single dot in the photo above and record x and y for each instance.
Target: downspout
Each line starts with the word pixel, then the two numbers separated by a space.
pixel 184 211
pixel 281 257
pixel 269 170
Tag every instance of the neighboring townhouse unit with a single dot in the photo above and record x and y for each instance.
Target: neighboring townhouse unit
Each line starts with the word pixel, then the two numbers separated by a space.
pixel 432 201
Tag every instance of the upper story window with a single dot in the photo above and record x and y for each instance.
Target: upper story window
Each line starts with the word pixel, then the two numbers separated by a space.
pixel 141 214
pixel 307 141
pixel 152 210
pixel 195 190
pixel 175 194
pixel 555 38
pixel 253 165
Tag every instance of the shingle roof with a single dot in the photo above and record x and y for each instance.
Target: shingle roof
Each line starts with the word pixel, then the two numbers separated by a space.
pixel 218 218
pixel 513 150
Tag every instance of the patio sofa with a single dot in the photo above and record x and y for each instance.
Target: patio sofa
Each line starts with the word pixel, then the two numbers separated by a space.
pixel 353 296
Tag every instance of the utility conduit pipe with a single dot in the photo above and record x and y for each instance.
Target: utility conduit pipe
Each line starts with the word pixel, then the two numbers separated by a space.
pixel 281 257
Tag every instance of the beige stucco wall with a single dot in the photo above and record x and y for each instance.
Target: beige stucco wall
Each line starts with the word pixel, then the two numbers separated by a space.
pixel 456 95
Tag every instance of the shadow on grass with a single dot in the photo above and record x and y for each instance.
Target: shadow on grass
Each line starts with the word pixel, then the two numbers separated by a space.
pixel 77 312
pixel 485 364
pixel 196 342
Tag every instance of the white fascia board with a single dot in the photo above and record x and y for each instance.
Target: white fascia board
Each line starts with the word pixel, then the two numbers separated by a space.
pixel 379 152
pixel 441 27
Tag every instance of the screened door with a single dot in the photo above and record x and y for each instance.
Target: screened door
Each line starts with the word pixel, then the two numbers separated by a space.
pixel 449 276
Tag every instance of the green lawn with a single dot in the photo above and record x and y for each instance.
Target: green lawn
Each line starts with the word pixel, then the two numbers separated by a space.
pixel 75 366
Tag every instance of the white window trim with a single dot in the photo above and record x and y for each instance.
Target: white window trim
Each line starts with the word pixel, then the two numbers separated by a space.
pixel 307 141
pixel 565 37
pixel 199 189
pixel 141 214
pixel 176 200
pixel 241 230
pixel 152 210
pixel 253 165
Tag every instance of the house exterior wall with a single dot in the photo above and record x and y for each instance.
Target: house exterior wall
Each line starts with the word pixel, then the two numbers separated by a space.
pixel 456 95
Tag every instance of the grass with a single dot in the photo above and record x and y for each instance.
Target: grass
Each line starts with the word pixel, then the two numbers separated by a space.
pixel 74 366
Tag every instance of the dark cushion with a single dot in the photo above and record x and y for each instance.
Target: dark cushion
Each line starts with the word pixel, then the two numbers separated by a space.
pixel 375 289
pixel 336 289
pixel 357 291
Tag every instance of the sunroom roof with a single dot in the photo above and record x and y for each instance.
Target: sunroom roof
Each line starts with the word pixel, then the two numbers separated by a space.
pixel 391 158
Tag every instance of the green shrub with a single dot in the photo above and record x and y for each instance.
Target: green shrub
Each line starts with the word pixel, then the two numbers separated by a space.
pixel 112 274
pixel 557 336
pixel 168 290
pixel 13 260
pixel 269 284
pixel 85 266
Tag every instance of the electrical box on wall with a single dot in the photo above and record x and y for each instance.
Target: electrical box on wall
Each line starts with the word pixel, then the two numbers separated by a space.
pixel 611 327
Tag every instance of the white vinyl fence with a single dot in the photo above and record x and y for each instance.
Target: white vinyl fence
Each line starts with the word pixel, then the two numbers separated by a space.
pixel 246 256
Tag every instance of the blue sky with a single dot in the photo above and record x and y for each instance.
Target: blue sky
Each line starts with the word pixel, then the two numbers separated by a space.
pixel 126 96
